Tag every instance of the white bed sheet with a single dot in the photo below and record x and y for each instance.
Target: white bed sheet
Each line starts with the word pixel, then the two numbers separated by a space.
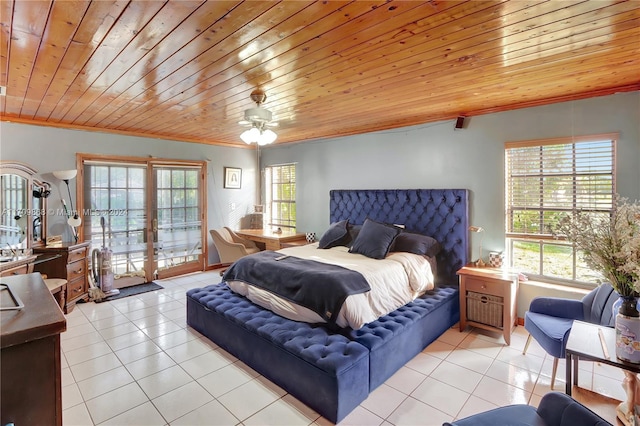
pixel 394 281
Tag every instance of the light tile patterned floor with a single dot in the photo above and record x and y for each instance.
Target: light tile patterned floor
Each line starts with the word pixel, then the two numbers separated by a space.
pixel 134 361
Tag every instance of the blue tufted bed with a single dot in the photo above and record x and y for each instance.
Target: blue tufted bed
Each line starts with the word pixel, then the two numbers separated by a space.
pixel 333 371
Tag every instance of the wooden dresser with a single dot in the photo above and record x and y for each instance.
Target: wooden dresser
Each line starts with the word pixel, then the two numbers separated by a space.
pixel 72 265
pixel 30 360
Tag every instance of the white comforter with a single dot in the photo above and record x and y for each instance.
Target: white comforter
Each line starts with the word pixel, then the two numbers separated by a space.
pixel 394 282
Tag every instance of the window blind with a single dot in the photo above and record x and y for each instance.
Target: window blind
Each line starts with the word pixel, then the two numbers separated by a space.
pixel 545 179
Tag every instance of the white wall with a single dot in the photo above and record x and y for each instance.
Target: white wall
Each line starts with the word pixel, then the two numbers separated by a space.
pixel 48 149
pixel 437 156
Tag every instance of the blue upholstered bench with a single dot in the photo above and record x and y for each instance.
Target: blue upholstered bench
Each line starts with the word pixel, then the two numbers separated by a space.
pixel 394 339
pixel 330 372
pixel 326 371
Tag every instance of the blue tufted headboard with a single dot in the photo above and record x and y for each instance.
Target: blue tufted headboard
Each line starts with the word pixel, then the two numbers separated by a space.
pixel 440 213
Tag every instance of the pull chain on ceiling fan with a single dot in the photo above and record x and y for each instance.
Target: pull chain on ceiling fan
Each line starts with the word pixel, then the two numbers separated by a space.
pixel 259 119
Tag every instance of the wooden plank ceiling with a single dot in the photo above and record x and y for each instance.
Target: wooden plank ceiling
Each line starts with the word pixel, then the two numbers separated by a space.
pixel 184 70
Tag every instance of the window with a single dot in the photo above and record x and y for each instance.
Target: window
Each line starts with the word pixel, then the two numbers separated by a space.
pixel 545 180
pixel 280 187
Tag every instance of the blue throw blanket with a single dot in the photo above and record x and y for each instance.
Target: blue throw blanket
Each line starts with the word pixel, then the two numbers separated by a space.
pixel 321 287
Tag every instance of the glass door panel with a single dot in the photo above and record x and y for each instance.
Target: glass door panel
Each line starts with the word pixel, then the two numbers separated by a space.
pixel 116 192
pixel 177 223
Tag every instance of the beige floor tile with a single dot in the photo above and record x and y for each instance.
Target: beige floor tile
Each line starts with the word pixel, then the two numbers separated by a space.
pixel 188 350
pixel 383 400
pixel 445 397
pixel 145 414
pixel 105 382
pixel 470 360
pixel 227 378
pixel 207 363
pixel 136 352
pixel 413 412
pixel 183 400
pixel 510 374
pixel 459 377
pixel 86 353
pixel 164 381
pixel 77 415
pixel 406 380
pixel 150 365
pixel 94 366
pixel 210 414
pixel 500 393
pixel 475 405
pixel 284 411
pixel 246 400
pixel 423 363
pixel 116 402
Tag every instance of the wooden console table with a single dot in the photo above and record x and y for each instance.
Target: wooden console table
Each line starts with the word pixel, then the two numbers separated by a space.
pixel 30 360
pixel 270 239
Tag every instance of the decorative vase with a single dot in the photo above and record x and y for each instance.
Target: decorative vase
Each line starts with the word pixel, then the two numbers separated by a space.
pixel 627 329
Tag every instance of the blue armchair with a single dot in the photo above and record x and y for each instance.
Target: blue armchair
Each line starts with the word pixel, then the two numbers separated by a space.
pixel 555 409
pixel 549 319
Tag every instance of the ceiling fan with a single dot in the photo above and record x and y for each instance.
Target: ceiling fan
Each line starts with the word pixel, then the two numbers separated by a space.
pixel 259 119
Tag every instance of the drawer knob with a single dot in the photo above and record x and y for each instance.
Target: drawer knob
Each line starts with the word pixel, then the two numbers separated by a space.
pixel 484 286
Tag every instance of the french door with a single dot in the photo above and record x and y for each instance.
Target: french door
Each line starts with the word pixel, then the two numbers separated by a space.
pixel 153 215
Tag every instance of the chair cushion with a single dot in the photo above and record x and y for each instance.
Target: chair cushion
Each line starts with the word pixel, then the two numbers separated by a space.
pixel 550 332
pixel 515 415
pixel 559 409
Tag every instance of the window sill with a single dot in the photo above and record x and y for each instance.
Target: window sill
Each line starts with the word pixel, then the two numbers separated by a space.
pixel 556 287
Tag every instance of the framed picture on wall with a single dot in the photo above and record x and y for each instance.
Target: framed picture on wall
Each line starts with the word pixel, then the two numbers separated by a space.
pixel 232 177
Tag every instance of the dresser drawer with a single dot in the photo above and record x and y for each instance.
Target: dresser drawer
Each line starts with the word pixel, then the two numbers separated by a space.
pixel 76 255
pixel 75 288
pixel 484 287
pixel 76 270
pixel 18 270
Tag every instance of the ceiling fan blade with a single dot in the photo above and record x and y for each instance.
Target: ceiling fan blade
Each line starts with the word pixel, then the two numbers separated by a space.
pixel 272 124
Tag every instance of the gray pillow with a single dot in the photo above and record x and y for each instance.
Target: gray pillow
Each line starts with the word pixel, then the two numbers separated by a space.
pixel 336 235
pixel 375 239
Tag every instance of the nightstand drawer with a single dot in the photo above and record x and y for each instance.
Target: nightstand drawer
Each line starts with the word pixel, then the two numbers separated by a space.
pixel 484 287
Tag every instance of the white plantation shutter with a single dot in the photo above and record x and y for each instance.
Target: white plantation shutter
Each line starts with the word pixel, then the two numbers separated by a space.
pixel 545 179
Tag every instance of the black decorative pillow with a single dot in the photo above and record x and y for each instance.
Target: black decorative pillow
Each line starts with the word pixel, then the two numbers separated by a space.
pixel 336 235
pixel 374 239
pixel 417 244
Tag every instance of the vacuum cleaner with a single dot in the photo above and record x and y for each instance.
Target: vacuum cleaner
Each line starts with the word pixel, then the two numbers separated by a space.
pixel 101 266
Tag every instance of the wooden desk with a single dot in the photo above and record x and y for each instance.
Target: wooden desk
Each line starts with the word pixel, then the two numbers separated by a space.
pixel 270 239
pixel 31 387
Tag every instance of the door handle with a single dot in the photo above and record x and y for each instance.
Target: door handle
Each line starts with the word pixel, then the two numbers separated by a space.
pixel 154 228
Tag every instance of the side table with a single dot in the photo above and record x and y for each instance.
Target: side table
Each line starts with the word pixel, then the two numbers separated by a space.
pixel 488 299
pixel 595 342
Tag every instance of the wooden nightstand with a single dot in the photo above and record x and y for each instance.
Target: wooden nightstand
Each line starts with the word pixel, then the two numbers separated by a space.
pixel 488 299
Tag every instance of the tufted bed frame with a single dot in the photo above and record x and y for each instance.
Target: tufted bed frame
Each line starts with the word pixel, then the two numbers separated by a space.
pixel 334 371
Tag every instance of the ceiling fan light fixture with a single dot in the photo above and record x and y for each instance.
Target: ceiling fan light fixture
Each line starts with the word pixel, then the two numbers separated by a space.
pixel 250 136
pixel 258 117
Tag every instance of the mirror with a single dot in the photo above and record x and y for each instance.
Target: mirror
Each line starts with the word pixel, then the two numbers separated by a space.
pixel 23 218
